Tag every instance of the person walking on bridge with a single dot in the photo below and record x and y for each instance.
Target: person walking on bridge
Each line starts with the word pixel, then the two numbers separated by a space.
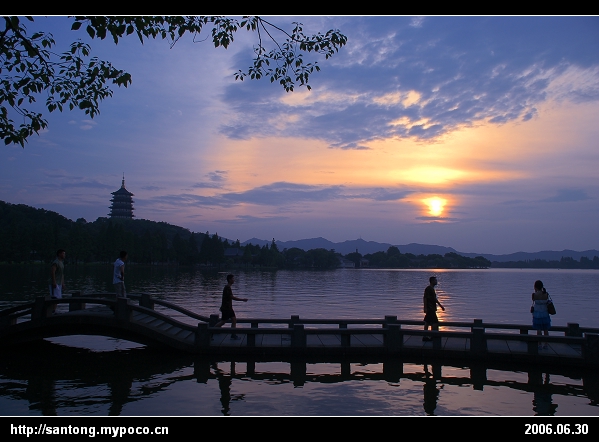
pixel 227 306
pixel 430 307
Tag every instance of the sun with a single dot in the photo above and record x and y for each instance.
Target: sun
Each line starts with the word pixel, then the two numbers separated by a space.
pixel 435 205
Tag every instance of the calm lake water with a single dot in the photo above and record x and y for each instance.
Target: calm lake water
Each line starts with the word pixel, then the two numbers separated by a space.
pixel 88 375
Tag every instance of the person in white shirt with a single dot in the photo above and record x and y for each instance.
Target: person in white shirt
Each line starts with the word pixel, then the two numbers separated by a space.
pixel 118 278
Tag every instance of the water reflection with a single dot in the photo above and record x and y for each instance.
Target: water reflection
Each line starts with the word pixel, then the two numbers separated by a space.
pixel 224 384
pixel 542 403
pixel 40 393
pixel 431 392
pixel 58 378
pixel 54 379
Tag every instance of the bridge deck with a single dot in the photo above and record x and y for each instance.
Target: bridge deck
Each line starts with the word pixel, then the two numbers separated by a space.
pixel 373 340
pixel 259 337
pixel 457 344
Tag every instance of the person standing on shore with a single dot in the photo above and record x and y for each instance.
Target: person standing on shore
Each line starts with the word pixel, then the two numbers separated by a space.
pixel 227 306
pixel 57 276
pixel 430 307
pixel 118 275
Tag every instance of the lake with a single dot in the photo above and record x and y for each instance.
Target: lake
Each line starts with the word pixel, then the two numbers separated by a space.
pixel 98 376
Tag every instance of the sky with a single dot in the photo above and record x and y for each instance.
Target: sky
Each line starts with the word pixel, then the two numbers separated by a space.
pixel 477 133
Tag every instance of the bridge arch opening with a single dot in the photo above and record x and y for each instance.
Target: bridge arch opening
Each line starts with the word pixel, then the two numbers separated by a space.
pixel 96 343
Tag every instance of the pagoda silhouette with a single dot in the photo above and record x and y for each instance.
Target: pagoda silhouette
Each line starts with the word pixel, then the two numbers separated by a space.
pixel 122 203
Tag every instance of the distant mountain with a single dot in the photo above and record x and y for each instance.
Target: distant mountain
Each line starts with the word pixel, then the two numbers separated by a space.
pixel 547 255
pixel 360 245
pixel 304 244
pixel 366 247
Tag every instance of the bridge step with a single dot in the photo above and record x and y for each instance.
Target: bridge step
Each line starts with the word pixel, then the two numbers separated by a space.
pixel 164 327
pixel 177 332
pixel 159 324
pixel 187 336
pixel 144 319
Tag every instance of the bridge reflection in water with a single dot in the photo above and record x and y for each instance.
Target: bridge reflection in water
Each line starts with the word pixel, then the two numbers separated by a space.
pixel 44 374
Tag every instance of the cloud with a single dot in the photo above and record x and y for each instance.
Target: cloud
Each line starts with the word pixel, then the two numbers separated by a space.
pixel 189 200
pixel 383 194
pixel 416 22
pixel 60 179
pixel 284 194
pixel 576 84
pixel 206 185
pixel 437 218
pixel 90 184
pixel 346 146
pixel 215 180
pixel 218 175
pixel 87 124
pixel 437 74
pixel 567 195
pixel 249 219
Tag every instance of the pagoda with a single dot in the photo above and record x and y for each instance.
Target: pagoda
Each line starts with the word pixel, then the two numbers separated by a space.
pixel 122 203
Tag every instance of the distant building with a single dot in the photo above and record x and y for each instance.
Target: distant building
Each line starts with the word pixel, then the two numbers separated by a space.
pixel 346 263
pixel 122 203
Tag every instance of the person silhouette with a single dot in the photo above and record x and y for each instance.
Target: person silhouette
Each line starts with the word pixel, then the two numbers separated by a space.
pixel 227 306
pixel 430 307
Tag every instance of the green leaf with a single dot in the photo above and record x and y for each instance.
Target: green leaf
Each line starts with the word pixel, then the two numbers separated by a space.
pixel 85 104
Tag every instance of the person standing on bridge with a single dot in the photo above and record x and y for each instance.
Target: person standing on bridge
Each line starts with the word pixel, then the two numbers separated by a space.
pixel 430 307
pixel 541 321
pixel 57 276
pixel 118 276
pixel 227 306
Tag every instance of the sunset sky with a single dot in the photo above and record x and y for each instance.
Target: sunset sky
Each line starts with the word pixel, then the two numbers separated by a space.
pixel 477 133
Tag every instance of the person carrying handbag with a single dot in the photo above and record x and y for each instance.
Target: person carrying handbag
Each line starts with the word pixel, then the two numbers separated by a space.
pixel 541 321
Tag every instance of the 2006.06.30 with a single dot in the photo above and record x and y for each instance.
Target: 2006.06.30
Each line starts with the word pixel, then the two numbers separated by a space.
pixel 556 429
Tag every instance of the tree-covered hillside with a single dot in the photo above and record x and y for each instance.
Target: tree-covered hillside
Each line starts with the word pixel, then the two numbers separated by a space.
pixel 28 234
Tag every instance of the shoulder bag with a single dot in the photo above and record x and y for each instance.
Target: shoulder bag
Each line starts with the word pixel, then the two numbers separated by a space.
pixel 550 305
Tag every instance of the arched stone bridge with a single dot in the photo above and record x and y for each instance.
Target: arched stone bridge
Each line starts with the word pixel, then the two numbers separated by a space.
pixel 136 319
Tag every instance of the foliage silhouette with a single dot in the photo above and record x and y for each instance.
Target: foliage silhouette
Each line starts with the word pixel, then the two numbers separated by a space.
pixel 29 67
